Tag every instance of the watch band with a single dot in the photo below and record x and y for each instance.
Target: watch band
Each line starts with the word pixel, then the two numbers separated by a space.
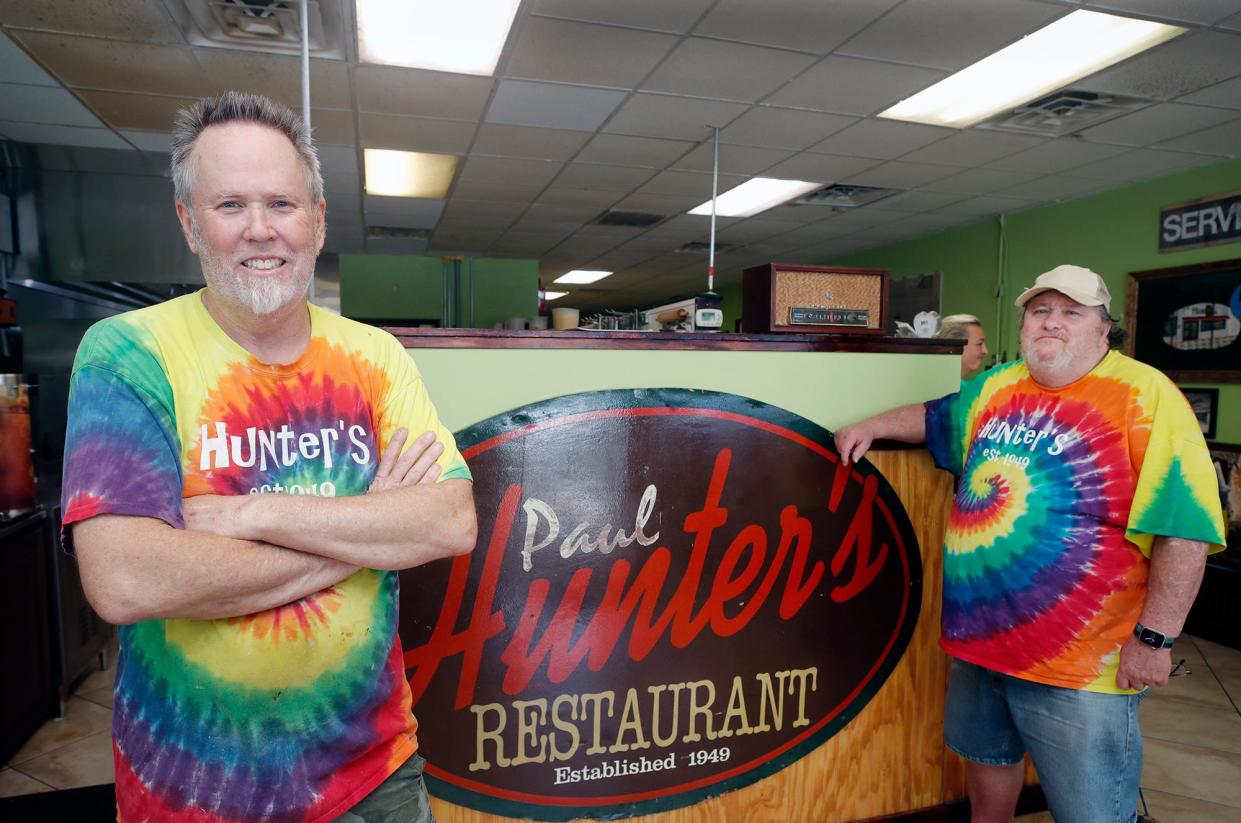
pixel 1151 637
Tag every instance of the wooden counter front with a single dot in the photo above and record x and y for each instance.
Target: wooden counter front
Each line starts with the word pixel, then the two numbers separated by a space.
pixel 890 759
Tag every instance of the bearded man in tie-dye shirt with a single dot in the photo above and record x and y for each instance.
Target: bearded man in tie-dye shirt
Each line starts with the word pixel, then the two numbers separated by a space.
pixel 240 503
pixel 1085 508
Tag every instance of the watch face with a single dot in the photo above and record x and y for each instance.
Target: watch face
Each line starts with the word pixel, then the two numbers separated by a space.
pixel 1152 638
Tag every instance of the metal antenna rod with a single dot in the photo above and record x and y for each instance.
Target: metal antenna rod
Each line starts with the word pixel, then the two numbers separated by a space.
pixel 715 182
pixel 305 26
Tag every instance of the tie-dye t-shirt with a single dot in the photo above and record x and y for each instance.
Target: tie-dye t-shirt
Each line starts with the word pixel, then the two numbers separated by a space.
pixel 1061 493
pixel 296 713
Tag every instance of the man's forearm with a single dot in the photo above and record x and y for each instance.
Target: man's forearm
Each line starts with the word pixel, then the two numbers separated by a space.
pixel 136 568
pixel 395 529
pixel 1175 575
pixel 904 423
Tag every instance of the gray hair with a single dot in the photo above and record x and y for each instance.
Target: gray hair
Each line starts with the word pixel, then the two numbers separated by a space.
pixel 1116 335
pixel 238 107
pixel 956 326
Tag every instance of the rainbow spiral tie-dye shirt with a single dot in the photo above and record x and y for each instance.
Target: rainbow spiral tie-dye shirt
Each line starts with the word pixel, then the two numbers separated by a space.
pixel 1061 493
pixel 296 713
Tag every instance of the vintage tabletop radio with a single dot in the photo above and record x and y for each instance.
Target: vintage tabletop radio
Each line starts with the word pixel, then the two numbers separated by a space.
pixel 790 297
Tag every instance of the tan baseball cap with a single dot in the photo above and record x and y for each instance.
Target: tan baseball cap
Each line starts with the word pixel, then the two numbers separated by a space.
pixel 1074 282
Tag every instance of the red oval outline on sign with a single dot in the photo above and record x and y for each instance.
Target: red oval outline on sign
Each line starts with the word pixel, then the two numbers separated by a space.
pixel 756 768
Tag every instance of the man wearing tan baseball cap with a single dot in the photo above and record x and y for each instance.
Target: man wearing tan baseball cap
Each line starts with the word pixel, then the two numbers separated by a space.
pixel 1085 509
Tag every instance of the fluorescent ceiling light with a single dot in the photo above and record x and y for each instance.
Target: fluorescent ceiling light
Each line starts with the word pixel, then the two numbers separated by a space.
pixel 582 276
pixel 1069 49
pixel 554 295
pixel 756 195
pixel 409 173
pixel 463 36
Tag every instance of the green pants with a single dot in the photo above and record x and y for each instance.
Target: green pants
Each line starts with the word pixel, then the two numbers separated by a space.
pixel 402 798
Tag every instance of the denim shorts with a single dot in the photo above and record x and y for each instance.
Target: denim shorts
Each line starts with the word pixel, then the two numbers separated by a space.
pixel 1086 747
pixel 402 798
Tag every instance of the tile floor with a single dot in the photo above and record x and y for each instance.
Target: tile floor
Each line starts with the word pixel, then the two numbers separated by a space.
pixel 1192 730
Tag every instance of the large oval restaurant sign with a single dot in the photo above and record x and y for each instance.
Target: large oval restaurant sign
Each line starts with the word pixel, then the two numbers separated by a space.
pixel 675 593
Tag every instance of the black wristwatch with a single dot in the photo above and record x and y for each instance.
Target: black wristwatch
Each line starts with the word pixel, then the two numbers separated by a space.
pixel 1152 638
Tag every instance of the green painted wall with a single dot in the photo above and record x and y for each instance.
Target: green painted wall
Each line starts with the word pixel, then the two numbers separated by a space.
pixel 830 388
pixel 1114 233
pixel 411 287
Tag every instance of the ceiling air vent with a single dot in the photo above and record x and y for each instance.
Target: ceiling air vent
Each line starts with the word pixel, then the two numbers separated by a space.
pixel 1064 112
pixel 841 196
pixel 396 231
pixel 634 219
pixel 264 25
pixel 699 247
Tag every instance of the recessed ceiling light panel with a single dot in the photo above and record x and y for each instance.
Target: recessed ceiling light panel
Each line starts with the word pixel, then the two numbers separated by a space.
pixel 1076 45
pixel 462 36
pixel 754 196
pixel 409 173
pixel 582 276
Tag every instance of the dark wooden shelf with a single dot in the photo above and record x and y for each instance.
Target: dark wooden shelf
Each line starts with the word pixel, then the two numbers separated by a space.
pixel 667 341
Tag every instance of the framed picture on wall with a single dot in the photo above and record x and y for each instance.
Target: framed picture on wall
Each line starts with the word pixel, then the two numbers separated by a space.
pixel 1186 320
pixel 1205 403
pixel 1227 461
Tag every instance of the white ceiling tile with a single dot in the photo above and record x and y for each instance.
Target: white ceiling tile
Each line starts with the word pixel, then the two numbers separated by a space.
pixel 17 67
pixel 659 203
pixel 569 52
pixel 660 15
pixel 1232 23
pixel 1226 94
pixel 690 183
pixel 794 215
pixel 396 245
pixel 424 134
pixel 753 230
pixel 335 160
pixel 851 86
pixel 1178 67
pixel 1224 140
pixel 1055 187
pixel 152 141
pixel 1056 155
pixel 981 181
pixel 495 190
pixel 973 147
pixel 525 141
pixel 747 160
pixel 778 128
pixel 277 76
pixel 494 213
pixel 546 105
pixel 633 151
pixel 949 34
pixel 40 104
pixel 669 116
pixel 601 176
pixel 402 212
pixel 822 168
pixel 1140 164
pixel 1158 123
pixel 582 198
pixel 95 63
pixel 919 201
pixel 510 170
pixel 900 175
pixel 709 68
pixel 1207 12
pixel 62 135
pixel 804 25
pixel 987 205
pixel 881 139
pixel 414 92
pixel 134 20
